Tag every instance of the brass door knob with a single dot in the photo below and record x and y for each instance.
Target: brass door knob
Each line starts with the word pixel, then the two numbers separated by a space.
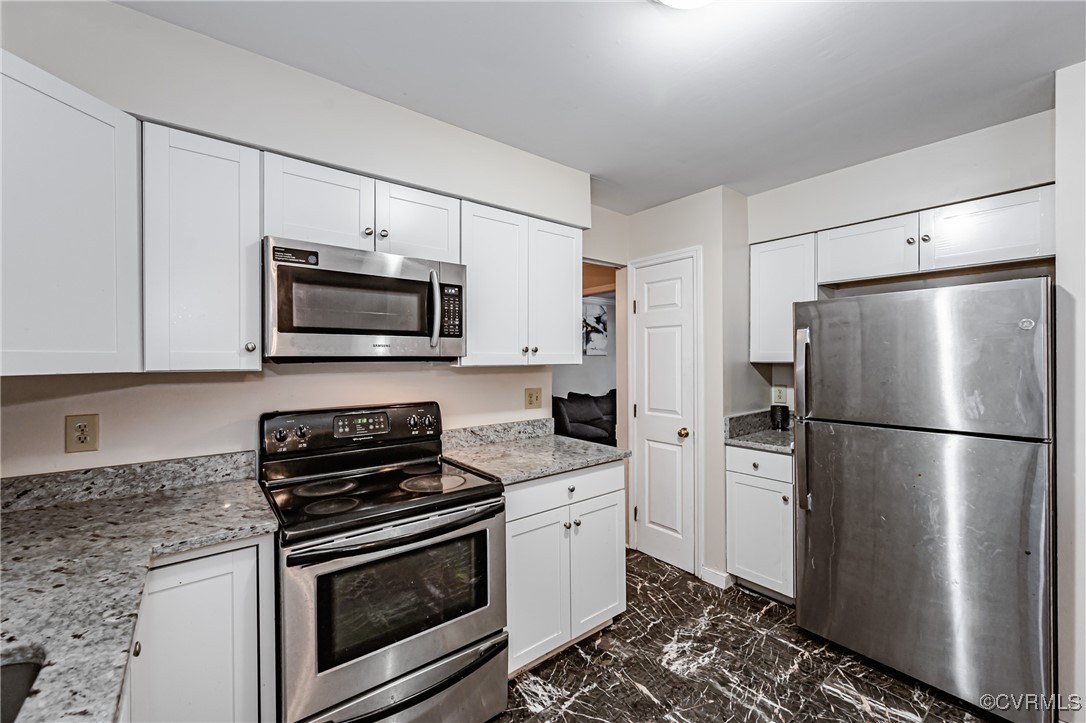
pixel 684 432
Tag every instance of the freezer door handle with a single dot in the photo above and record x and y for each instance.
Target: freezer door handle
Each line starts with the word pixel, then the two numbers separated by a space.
pixel 803 343
pixel 803 498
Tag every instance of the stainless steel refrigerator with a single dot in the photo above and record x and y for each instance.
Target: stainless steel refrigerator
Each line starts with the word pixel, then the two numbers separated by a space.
pixel 923 455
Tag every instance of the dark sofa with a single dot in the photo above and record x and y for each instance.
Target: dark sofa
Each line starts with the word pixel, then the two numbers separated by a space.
pixel 587 417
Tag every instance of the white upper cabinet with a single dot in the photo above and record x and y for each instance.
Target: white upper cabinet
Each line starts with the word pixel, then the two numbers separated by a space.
pixel 554 294
pixel 782 273
pixel 1000 228
pixel 310 202
pixel 867 250
pixel 70 234
pixel 201 252
pixel 417 223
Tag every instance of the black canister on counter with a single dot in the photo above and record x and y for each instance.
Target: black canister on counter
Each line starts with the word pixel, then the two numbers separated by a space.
pixel 778 417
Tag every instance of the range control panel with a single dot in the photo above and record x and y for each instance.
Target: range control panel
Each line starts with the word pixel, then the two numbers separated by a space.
pixel 452 308
pixel 354 427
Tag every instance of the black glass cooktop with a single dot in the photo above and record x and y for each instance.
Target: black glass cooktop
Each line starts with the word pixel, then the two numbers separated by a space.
pixel 328 504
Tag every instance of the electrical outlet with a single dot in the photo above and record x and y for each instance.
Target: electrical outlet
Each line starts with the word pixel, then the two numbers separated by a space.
pixel 533 397
pixel 780 394
pixel 81 433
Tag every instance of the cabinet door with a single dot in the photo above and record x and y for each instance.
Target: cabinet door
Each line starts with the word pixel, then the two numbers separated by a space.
pixel 1012 226
pixel 201 252
pixel 537 580
pixel 760 531
pixel 70 237
pixel 195 654
pixel 495 251
pixel 417 223
pixel 597 561
pixel 867 250
pixel 310 202
pixel 781 273
pixel 554 293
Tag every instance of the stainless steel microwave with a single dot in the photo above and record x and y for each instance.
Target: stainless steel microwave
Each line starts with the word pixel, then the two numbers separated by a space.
pixel 330 303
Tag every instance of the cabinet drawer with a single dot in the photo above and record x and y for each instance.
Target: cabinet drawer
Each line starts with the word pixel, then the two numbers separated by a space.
pixel 535 496
pixel 759 464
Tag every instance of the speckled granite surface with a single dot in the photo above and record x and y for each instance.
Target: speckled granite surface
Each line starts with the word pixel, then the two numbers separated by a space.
pixel 740 425
pixel 73 577
pixel 491 433
pixel 519 460
pixel 23 493
pixel 767 440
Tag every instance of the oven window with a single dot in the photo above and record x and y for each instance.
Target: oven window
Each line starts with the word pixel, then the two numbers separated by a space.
pixel 333 302
pixel 369 607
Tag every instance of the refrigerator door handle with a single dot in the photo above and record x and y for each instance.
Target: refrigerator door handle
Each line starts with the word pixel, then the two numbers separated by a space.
pixel 803 342
pixel 803 499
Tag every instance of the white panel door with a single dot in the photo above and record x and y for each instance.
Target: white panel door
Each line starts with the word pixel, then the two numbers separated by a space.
pixel 1012 226
pixel 417 223
pixel 781 273
pixel 597 561
pixel 70 236
pixel 664 395
pixel 495 251
pixel 537 584
pixel 201 252
pixel 554 293
pixel 867 250
pixel 195 651
pixel 310 202
pixel 760 531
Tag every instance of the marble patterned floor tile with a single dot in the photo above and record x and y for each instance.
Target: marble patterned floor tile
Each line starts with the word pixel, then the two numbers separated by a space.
pixel 948 710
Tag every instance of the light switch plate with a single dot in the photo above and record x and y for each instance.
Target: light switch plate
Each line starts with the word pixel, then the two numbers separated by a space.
pixel 81 433
pixel 533 397
pixel 780 394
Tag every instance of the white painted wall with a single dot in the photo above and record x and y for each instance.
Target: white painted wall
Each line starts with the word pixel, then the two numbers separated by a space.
pixel 992 160
pixel 595 374
pixel 160 71
pixel 1070 159
pixel 609 238
pixel 166 416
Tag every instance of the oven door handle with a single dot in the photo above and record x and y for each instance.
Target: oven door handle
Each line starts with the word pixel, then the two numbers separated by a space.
pixel 435 296
pixel 308 558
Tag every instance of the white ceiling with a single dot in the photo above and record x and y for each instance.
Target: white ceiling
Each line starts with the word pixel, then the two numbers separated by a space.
pixel 657 103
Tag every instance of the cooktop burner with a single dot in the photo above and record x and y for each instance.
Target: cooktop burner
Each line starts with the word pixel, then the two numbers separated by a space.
pixel 332 506
pixel 423 469
pixel 325 488
pixel 432 483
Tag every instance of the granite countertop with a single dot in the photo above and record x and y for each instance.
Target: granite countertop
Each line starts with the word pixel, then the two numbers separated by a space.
pixel 73 577
pixel 766 440
pixel 518 460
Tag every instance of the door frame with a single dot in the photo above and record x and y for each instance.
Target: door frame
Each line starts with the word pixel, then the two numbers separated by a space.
pixel 694 253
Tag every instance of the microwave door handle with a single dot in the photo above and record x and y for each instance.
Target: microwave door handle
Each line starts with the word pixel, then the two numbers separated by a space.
pixel 435 296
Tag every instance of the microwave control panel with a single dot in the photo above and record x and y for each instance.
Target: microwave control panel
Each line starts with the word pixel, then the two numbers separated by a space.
pixel 452 310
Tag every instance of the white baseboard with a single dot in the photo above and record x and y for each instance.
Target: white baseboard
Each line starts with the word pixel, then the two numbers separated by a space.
pixel 714 577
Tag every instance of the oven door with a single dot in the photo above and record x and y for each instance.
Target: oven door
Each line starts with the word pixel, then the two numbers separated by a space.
pixel 323 301
pixel 361 610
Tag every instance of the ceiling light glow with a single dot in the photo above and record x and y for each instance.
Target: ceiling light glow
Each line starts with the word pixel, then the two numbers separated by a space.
pixel 684 4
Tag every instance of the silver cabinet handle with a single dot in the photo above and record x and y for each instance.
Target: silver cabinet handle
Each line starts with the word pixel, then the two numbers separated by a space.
pixel 384 233
pixel 784 498
pixel 910 241
pixel 137 650
pixel 567 525
pixel 755 465
pixel 250 347
pixel 524 350
pixel 367 232
pixel 577 522
pixel 572 488
pixel 925 238
pixel 535 349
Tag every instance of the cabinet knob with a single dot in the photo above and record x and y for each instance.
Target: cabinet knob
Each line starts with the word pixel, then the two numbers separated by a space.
pixel 755 465
pixel 567 525
pixel 524 350
pixel 577 522
pixel 683 433
pixel 572 488
pixel 384 233
pixel 911 241
pixel 784 498
pixel 368 232
pixel 250 347
pixel 925 238
pixel 137 650
pixel 535 349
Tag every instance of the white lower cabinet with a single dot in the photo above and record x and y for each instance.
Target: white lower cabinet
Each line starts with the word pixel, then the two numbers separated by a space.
pixel 565 559
pixel 760 519
pixel 201 650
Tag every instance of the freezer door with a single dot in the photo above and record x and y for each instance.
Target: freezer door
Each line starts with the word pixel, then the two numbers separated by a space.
pixel 971 358
pixel 930 553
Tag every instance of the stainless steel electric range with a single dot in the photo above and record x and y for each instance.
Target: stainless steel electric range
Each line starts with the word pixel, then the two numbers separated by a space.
pixel 391 569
